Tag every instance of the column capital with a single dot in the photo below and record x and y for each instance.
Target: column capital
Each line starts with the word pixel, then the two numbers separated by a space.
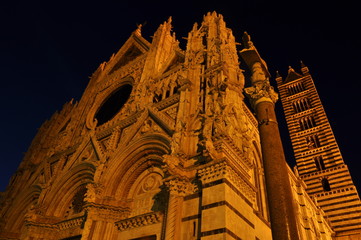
pixel 261 91
pixel 180 187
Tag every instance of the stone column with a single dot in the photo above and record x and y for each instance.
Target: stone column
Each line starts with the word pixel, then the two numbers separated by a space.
pixel 178 189
pixel 279 193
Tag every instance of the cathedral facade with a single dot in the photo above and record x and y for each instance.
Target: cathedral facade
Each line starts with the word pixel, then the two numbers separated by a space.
pixel 162 145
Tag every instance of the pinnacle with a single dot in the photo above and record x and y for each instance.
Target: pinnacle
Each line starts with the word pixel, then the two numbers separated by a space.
pixel 278 75
pixel 169 21
pixel 302 64
pixel 213 14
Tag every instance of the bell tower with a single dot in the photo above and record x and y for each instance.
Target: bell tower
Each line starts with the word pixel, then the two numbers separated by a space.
pixel 318 158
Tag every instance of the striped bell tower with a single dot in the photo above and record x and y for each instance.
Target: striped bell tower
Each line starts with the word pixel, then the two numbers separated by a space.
pixel 318 158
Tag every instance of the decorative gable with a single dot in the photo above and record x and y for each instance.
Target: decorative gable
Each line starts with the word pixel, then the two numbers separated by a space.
pixel 132 53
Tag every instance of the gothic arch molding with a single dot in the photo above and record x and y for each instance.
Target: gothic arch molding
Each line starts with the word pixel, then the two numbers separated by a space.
pixel 125 167
pixel 26 200
pixel 68 184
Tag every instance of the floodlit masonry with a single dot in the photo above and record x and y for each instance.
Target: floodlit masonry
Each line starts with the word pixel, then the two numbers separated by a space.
pixel 162 145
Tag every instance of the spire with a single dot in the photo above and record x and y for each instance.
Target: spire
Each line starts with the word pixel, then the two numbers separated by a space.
pixel 164 44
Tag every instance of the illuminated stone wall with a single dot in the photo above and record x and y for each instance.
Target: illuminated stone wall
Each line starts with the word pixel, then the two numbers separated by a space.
pixel 160 146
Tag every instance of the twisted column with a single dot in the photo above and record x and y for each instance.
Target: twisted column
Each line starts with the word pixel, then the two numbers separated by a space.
pixel 178 189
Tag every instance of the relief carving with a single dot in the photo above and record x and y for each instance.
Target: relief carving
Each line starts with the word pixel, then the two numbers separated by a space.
pixel 139 221
pixel 261 88
pixel 180 187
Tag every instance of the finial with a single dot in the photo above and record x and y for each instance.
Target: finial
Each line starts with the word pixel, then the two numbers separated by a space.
pixel 138 31
pixel 290 69
pixel 278 78
pixel 277 74
pixel 302 64
pixel 195 26
pixel 304 68
pixel 247 40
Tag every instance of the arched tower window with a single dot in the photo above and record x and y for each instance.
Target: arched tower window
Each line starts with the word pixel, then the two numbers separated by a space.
pixel 301 105
pixel 295 88
pixel 320 165
pixel 307 122
pixel 312 142
pixel 325 184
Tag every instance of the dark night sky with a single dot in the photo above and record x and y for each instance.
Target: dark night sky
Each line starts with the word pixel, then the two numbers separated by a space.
pixel 49 49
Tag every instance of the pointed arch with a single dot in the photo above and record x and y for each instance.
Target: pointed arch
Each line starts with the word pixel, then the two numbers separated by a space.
pixel 127 165
pixel 15 217
pixel 61 194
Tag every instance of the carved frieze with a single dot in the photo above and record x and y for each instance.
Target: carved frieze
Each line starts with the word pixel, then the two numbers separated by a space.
pixel 106 213
pixel 139 221
pixel 180 187
pixel 55 230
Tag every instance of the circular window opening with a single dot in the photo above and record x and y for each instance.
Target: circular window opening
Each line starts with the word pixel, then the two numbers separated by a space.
pixel 112 105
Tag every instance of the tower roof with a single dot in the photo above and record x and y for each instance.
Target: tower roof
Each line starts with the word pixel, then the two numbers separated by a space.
pixel 292 75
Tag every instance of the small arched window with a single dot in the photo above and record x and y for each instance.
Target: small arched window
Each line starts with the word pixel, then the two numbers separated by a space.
pixel 307 122
pixel 326 184
pixel 320 165
pixel 313 142
pixel 295 88
pixel 301 105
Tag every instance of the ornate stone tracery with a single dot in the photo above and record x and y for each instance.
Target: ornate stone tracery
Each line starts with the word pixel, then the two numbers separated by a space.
pixel 179 160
